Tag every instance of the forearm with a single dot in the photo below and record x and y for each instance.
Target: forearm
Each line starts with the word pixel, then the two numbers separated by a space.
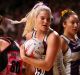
pixel 37 63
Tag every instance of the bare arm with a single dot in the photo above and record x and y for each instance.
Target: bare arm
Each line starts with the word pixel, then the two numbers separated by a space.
pixel 3 45
pixel 53 45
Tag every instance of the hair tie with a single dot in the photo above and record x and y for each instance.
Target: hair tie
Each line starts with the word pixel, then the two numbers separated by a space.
pixel 66 11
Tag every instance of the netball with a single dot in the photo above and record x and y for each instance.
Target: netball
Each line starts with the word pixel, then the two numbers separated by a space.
pixel 34 48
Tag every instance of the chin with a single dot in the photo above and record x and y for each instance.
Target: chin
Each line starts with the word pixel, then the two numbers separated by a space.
pixel 45 29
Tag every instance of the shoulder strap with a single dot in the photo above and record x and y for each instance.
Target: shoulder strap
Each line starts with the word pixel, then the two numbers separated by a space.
pixel 33 34
pixel 12 45
pixel 65 38
pixel 50 31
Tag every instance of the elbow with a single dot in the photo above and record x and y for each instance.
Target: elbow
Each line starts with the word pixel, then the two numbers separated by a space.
pixel 48 67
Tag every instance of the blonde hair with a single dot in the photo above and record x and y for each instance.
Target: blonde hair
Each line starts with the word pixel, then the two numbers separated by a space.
pixel 30 17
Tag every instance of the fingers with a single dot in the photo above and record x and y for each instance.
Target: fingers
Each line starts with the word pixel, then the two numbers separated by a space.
pixel 22 52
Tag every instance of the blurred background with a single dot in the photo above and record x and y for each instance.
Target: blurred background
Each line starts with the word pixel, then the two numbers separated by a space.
pixel 17 9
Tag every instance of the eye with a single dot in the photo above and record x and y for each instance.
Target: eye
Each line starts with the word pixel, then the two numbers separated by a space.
pixel 45 18
pixel 72 22
pixel 42 18
pixel 48 19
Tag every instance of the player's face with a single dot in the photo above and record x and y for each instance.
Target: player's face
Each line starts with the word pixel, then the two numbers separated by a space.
pixel 71 25
pixel 43 21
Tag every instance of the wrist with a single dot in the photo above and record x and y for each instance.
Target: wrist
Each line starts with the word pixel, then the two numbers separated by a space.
pixel 23 57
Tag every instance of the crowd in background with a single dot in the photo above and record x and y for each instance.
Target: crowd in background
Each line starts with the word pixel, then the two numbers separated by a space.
pixel 16 10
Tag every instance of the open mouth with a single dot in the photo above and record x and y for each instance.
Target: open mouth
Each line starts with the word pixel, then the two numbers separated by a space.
pixel 45 26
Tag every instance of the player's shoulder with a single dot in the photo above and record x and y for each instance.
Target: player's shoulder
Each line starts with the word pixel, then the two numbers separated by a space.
pixel 54 34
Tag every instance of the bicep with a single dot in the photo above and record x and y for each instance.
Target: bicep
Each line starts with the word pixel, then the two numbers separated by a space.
pixel 53 45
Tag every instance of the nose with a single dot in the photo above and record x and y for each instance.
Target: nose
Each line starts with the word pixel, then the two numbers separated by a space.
pixel 45 21
pixel 76 25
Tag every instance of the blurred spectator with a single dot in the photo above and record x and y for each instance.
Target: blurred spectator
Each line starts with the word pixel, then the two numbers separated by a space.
pixel 1 33
pixel 12 34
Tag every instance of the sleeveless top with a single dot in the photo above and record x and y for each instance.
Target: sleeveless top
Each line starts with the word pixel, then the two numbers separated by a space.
pixel 72 56
pixel 3 57
pixel 40 71
pixel 14 63
pixel 58 66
